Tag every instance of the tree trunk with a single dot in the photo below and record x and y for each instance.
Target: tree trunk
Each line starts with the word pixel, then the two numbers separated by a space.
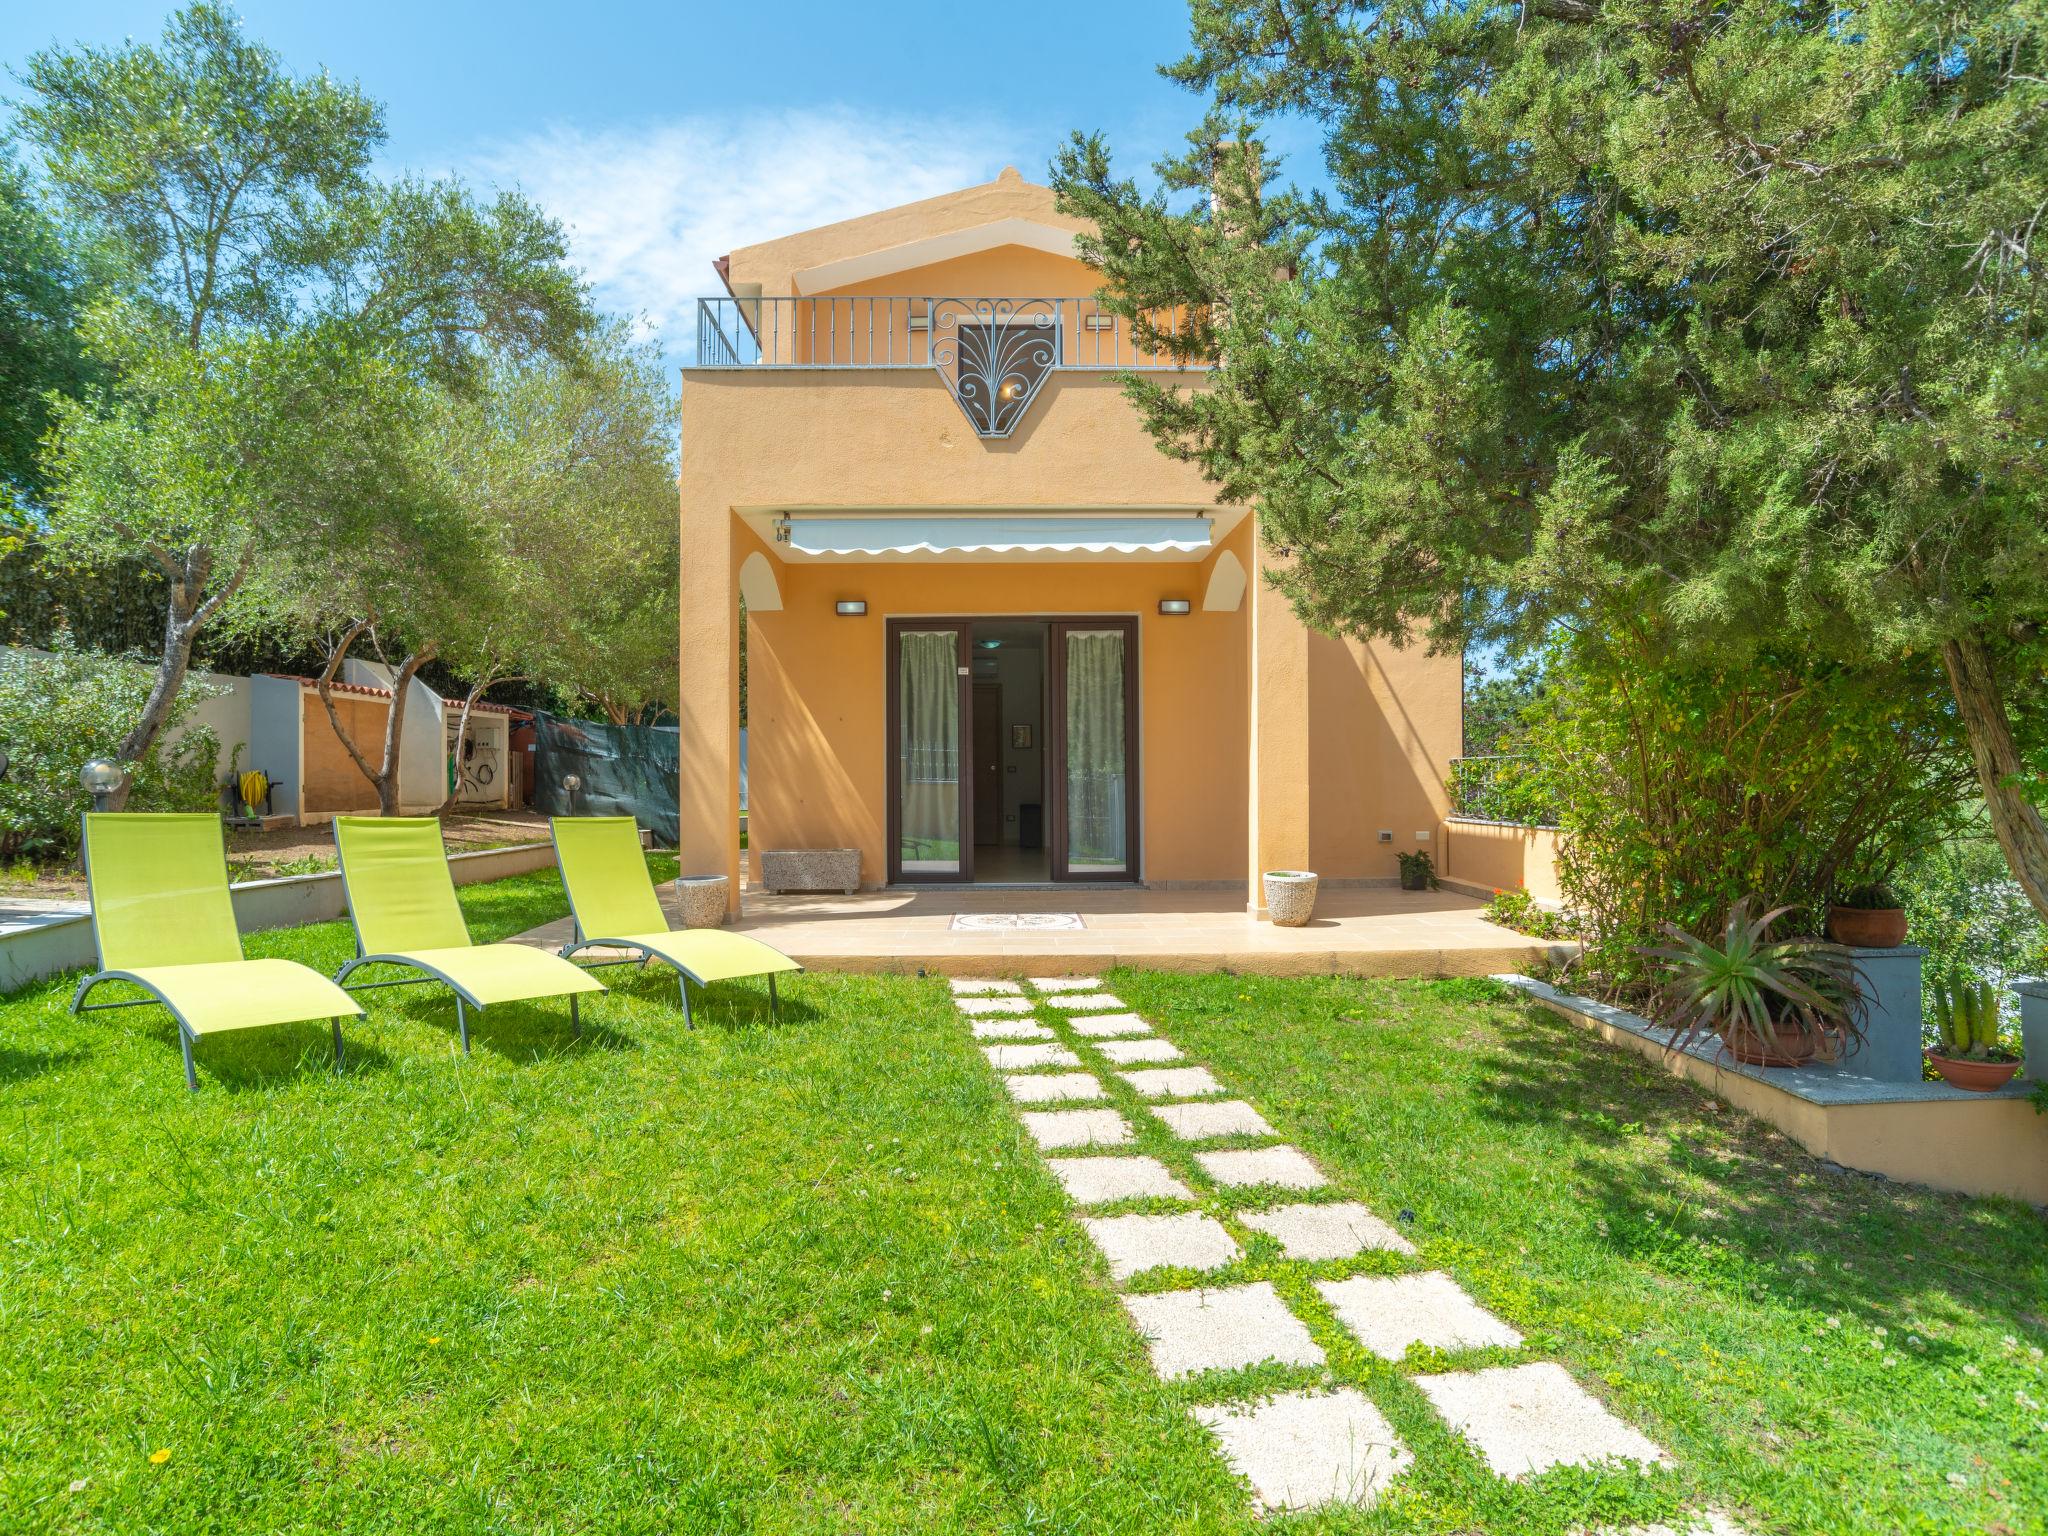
pixel 185 610
pixel 2015 820
pixel 384 777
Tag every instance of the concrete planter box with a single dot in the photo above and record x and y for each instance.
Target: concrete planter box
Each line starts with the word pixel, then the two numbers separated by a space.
pixel 702 898
pixel 1890 1051
pixel 2034 1028
pixel 810 869
pixel 1290 896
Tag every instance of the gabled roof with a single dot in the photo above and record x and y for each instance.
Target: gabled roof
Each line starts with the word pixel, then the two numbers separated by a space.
pixel 1006 211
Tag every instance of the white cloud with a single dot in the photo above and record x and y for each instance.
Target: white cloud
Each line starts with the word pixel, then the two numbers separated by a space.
pixel 648 209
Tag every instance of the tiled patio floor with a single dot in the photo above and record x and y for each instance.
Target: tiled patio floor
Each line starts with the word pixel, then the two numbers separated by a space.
pixel 1372 932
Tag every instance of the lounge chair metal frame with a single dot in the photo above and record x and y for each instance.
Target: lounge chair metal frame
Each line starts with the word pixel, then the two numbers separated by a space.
pixel 463 996
pixel 188 1037
pixel 582 941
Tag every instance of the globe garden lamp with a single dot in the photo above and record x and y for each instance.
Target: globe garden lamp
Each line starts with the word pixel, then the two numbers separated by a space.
pixel 102 780
pixel 571 782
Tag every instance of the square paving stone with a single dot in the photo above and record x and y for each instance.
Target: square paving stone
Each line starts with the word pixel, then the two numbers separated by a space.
pixel 1198 1122
pixel 1173 1082
pixel 1052 1087
pixel 1067 983
pixel 1010 1029
pixel 1099 1180
pixel 1134 1244
pixel 1055 1128
pixel 1010 1058
pixel 1390 1312
pixel 1085 1002
pixel 1302 1450
pixel 972 986
pixel 1104 1026
pixel 1128 1053
pixel 1220 1330
pixel 1337 1231
pixel 1286 1167
pixel 1526 1418
pixel 981 1005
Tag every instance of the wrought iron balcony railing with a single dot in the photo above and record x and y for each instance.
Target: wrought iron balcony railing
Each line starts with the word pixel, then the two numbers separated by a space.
pixel 994 354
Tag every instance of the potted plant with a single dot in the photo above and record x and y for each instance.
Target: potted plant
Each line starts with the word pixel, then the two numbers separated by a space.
pixel 1290 896
pixel 1867 917
pixel 1773 1002
pixel 1966 1030
pixel 1418 871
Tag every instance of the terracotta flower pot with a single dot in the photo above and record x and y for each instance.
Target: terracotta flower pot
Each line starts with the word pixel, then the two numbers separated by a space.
pixel 1868 927
pixel 1977 1076
pixel 1787 1045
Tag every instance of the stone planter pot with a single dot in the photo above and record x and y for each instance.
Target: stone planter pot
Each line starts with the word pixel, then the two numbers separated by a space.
pixel 810 869
pixel 703 900
pixel 1290 897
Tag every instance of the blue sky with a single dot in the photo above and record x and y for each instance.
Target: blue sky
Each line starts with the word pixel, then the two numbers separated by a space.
pixel 664 135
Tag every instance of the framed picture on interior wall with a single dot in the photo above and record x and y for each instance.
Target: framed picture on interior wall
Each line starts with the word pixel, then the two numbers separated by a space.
pixel 1020 738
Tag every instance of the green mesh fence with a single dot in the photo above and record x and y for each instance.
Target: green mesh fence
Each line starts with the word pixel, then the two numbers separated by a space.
pixel 625 770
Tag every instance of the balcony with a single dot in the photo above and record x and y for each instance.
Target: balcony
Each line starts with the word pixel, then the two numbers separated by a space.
pixel 993 354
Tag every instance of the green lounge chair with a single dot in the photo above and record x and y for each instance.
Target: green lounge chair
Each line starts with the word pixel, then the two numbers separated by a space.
pixel 162 920
pixel 401 899
pixel 613 901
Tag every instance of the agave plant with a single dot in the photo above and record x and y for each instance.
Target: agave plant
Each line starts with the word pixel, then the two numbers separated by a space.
pixel 1751 985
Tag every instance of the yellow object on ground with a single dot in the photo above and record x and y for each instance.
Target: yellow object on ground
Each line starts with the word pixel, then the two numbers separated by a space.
pixel 401 899
pixel 612 897
pixel 163 920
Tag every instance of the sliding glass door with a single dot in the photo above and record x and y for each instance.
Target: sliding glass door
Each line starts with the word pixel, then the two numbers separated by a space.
pixel 1095 820
pixel 929 794
pixel 1090 766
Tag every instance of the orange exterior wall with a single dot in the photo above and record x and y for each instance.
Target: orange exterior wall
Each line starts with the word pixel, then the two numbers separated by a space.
pixel 1495 856
pixel 1261 746
pixel 817 768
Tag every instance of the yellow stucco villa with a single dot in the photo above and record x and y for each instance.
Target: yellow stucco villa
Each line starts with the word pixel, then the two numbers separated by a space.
pixel 994 635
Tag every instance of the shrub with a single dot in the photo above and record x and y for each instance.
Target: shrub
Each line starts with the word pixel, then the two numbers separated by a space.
pixel 1684 786
pixel 58 711
pixel 1964 906
pixel 1519 910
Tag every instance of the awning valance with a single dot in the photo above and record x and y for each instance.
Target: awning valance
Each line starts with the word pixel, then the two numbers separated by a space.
pixel 1056 533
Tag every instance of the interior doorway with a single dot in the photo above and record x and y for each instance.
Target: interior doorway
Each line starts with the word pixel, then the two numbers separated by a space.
pixel 1013 750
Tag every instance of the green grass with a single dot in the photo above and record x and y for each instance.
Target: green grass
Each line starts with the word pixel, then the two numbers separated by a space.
pixel 810 1276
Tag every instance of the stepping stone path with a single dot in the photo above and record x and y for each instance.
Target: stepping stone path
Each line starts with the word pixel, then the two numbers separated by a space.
pixel 1308 1444
pixel 1200 1121
pixel 1011 1029
pixel 974 1005
pixel 1129 1052
pixel 1134 1244
pixel 1052 1087
pixel 1104 1026
pixel 1301 1450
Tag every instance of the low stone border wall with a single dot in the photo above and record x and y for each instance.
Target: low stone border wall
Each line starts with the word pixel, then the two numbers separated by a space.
pixel 49 943
pixel 1923 1133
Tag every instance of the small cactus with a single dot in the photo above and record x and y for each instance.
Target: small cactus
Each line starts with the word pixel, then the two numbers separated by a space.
pixel 1984 1021
pixel 1966 1017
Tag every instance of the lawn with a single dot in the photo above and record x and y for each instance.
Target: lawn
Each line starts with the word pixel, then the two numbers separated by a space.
pixel 811 1277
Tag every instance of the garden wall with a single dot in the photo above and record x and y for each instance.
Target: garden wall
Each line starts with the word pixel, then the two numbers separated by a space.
pixel 1487 856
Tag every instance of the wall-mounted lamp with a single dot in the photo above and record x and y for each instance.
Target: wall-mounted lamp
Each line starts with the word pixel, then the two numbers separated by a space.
pixel 1173 607
pixel 851 607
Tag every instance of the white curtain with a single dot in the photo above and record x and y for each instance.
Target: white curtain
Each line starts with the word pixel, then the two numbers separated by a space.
pixel 1097 779
pixel 928 708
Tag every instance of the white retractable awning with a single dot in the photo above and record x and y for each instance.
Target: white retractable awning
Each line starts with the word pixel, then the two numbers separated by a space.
pixel 1007 533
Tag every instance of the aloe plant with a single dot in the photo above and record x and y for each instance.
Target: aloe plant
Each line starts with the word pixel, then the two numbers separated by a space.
pixel 1750 982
